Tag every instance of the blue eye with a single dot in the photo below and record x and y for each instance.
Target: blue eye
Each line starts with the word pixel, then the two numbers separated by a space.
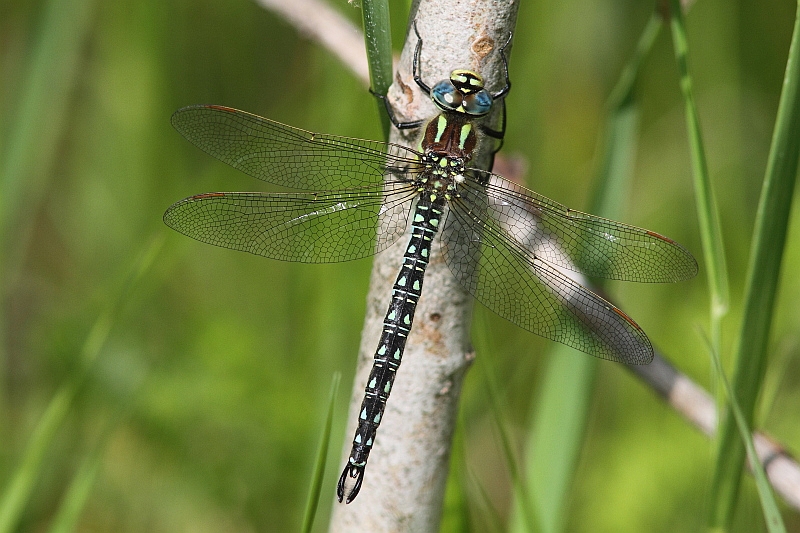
pixel 446 96
pixel 478 104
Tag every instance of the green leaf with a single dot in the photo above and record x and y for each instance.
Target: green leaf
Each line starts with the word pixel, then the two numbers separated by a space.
pixel 705 202
pixel 41 111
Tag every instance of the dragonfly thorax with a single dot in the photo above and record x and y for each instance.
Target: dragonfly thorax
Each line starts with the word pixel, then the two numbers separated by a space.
pixel 451 135
pixel 462 93
pixel 443 174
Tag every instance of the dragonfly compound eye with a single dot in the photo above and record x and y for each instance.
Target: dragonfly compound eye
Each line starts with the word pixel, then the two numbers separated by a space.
pixel 446 96
pixel 478 104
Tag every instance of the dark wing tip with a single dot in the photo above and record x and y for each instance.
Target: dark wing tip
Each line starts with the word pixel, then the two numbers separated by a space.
pixel 685 264
pixel 177 117
pixel 169 214
pixel 642 353
pixel 172 216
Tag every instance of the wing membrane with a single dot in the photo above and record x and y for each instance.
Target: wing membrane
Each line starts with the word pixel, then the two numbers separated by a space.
pixel 291 157
pixel 582 242
pixel 302 227
pixel 531 293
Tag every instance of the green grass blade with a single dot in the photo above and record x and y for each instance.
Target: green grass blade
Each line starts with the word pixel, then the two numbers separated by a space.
pixel 322 455
pixel 562 408
pixel 21 483
pixel 526 510
pixel 766 253
pixel 619 154
pixel 768 505
pixel 27 472
pixel 492 517
pixel 705 202
pixel 378 39
pixel 42 108
pixel 456 511
pixel 37 126
pixel 78 492
pixel 557 435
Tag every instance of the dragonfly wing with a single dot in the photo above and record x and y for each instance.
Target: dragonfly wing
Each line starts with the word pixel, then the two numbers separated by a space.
pixel 505 277
pixel 302 227
pixel 585 243
pixel 287 156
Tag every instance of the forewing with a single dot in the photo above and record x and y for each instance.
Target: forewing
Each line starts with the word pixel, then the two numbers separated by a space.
pixel 303 227
pixel 531 293
pixel 288 156
pixel 582 242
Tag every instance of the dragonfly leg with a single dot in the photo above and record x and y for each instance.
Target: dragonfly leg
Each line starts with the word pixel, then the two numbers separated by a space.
pixel 495 134
pixel 417 55
pixel 418 79
pixel 390 111
pixel 504 91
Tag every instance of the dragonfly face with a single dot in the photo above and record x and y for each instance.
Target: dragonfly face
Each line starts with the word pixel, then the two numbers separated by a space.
pixel 463 97
pixel 462 93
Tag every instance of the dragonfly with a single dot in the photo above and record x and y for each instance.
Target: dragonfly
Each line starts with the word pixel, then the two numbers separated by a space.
pixel 514 250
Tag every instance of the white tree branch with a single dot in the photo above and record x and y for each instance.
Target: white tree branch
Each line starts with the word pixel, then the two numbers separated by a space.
pixel 405 478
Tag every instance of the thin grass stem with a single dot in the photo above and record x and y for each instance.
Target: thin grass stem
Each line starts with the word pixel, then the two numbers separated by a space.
pixel 562 407
pixel 705 202
pixel 378 40
pixel 312 503
pixel 763 274
pixel 772 516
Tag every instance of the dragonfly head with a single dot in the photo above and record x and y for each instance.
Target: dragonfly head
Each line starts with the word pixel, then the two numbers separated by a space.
pixel 462 93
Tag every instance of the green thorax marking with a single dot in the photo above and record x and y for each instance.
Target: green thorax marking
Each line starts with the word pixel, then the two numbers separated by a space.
pixel 451 135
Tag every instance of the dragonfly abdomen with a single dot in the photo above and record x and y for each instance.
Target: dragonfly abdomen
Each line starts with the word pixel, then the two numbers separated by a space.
pixel 396 327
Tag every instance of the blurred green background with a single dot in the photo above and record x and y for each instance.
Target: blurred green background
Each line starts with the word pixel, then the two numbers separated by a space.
pixel 205 405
